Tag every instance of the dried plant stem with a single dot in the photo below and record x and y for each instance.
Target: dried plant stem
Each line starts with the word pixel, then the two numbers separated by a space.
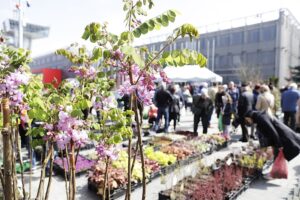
pixel 105 178
pixel 50 172
pixel 65 173
pixel 42 178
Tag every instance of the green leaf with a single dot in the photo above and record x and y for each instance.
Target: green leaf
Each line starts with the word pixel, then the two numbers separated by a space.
pixel 77 113
pixel 144 28
pixel 137 32
pixel 165 20
pixel 97 53
pixel 117 139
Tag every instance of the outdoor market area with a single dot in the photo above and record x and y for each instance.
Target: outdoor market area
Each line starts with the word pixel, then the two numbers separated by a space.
pixel 130 100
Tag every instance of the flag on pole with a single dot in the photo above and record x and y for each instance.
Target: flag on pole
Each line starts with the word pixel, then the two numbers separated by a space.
pixel 28 3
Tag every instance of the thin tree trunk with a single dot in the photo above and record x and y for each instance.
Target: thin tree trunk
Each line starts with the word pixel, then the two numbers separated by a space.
pixel 30 166
pixel 21 163
pixel 51 170
pixel 105 179
pixel 2 178
pixel 42 178
pixel 14 179
pixel 128 193
pixel 73 172
pixel 7 151
pixel 65 173
pixel 140 145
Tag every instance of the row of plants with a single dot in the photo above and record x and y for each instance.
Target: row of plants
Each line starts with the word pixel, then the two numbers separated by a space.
pixel 158 161
pixel 64 109
pixel 224 179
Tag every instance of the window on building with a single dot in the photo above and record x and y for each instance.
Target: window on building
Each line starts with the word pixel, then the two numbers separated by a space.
pixel 237 60
pixel 253 36
pixel 224 41
pixel 269 33
pixel 252 58
pixel 203 43
pixel 237 38
pixel 267 58
pixel 223 61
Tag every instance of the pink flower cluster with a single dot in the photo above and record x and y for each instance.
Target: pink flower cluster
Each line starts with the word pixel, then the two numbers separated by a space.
pixel 70 129
pixel 84 72
pixel 106 103
pixel 104 152
pixel 10 87
pixel 144 87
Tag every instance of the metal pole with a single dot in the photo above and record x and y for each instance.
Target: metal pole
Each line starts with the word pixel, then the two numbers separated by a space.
pixel 208 47
pixel 20 25
pixel 213 55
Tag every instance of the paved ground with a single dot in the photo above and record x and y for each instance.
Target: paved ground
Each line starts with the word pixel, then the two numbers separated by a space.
pixel 260 189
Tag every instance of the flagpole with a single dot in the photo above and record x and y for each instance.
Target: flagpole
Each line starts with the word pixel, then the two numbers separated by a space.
pixel 20 25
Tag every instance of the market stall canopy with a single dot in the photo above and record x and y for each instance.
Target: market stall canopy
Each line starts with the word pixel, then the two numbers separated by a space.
pixel 191 73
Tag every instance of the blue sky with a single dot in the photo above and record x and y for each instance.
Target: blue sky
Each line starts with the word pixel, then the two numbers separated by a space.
pixel 67 18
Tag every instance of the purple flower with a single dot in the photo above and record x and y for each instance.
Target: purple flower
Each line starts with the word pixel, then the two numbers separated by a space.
pixel 126 88
pixel 103 152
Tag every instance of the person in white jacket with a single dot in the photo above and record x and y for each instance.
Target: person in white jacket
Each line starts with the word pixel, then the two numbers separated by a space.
pixel 265 100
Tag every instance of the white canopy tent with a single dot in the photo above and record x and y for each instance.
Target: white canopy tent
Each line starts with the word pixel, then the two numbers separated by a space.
pixel 192 73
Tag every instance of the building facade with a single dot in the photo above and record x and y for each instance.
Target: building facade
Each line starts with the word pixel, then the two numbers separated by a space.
pixel 268 42
pixel 270 46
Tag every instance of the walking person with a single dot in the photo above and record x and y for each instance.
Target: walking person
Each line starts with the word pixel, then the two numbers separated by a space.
pixel 163 100
pixel 234 94
pixel 202 107
pixel 265 100
pixel 289 99
pixel 174 108
pixel 244 105
pixel 226 115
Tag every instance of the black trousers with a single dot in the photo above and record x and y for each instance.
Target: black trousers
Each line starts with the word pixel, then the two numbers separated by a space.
pixel 204 120
pixel 245 134
pixel 289 119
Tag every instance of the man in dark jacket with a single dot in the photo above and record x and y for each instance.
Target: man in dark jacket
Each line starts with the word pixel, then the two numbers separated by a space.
pixel 275 133
pixel 289 100
pixel 162 100
pixel 202 108
pixel 244 105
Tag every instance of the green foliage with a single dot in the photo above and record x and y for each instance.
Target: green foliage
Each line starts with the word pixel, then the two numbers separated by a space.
pixel 184 57
pixel 155 23
pixel 187 29
pixel 13 59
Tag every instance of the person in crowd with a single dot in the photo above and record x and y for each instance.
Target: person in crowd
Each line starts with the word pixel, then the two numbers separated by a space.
pixel 187 97
pixel 202 106
pixel 163 100
pixel 212 91
pixel 218 100
pixel 289 99
pixel 179 95
pixel 255 92
pixel 234 94
pixel 244 105
pixel 265 100
pixel 152 115
pixel 174 108
pixel 272 132
pixel 226 115
pixel 276 93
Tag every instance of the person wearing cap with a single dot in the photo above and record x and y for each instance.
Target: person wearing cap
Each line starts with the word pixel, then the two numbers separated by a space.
pixel 289 99
pixel 245 104
pixel 234 94
pixel 202 107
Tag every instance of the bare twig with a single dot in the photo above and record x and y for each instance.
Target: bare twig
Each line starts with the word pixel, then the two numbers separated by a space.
pixel 21 163
pixel 65 174
pixel 42 178
pixel 51 170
